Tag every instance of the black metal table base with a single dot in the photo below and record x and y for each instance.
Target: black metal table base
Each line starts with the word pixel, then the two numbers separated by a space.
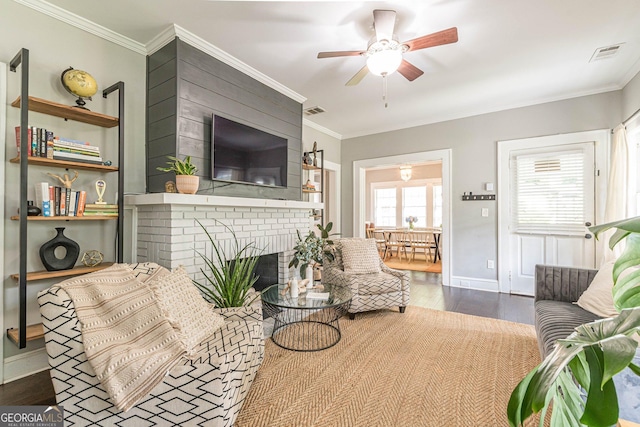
pixel 306 329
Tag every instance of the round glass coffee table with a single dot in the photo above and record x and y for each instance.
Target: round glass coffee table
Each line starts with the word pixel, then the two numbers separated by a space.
pixel 308 322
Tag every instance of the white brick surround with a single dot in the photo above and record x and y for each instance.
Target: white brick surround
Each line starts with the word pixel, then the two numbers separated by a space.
pixel 166 228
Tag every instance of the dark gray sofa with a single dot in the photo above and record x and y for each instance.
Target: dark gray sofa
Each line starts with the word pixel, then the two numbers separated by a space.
pixel 557 288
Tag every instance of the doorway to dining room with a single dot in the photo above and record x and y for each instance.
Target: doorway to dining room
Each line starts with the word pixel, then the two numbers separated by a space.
pixel 408 198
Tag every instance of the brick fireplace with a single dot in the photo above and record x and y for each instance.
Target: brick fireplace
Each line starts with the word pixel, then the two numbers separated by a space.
pixel 166 230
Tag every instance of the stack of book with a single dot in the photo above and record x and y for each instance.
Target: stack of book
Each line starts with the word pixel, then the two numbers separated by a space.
pixel 95 209
pixel 76 151
pixel 59 201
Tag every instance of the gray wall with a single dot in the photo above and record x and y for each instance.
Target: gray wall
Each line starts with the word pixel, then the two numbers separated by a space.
pixel 53 47
pixel 329 144
pixel 631 97
pixel 186 87
pixel 473 143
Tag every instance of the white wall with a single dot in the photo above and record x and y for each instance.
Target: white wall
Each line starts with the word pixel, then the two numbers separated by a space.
pixel 54 46
pixel 473 141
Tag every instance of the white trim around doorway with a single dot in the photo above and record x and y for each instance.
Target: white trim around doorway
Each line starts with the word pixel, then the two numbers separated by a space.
pixel 359 168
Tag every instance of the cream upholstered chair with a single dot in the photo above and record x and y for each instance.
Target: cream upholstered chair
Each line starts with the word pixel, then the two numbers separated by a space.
pixel 374 286
pixel 205 390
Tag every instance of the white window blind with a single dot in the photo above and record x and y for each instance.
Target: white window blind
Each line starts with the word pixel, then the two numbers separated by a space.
pixel 384 207
pixel 548 192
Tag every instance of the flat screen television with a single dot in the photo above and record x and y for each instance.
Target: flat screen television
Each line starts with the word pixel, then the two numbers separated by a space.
pixel 244 154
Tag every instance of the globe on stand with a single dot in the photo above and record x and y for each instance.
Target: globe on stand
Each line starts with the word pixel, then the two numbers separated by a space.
pixel 79 83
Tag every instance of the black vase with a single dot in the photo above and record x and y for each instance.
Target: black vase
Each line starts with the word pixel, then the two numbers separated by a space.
pixel 48 256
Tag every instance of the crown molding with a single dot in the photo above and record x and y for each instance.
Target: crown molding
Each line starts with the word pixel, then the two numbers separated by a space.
pixel 322 129
pixel 188 37
pixel 83 24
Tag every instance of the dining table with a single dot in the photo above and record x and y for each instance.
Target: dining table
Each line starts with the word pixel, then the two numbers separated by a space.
pixel 400 235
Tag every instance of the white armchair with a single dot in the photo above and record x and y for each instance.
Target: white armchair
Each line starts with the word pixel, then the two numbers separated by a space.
pixel 374 285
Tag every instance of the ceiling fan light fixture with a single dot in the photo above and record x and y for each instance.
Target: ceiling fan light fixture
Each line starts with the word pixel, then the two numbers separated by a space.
pixel 384 62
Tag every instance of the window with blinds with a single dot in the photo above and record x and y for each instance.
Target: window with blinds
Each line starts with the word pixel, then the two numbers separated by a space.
pixel 548 192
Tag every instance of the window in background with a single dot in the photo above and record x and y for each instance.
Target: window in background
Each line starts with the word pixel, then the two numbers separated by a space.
pixel 414 203
pixel 384 200
pixel 437 205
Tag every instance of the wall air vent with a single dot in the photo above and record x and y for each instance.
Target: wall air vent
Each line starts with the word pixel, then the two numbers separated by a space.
pixel 313 110
pixel 606 52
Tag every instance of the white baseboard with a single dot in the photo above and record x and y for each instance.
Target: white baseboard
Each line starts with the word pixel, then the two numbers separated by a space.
pixel 475 283
pixel 25 364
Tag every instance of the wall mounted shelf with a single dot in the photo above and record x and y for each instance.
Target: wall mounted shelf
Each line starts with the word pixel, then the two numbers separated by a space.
pixel 66 218
pixel 34 332
pixel 76 271
pixel 51 108
pixel 42 161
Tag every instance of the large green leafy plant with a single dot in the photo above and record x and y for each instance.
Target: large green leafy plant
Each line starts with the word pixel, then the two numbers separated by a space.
pixel 577 375
pixel 230 276
pixel 312 249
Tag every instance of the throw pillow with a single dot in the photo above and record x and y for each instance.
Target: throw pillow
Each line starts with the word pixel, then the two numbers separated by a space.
pixel 598 298
pixel 360 256
pixel 190 315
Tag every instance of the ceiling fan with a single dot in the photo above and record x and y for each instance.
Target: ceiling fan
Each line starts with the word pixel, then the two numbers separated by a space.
pixel 384 52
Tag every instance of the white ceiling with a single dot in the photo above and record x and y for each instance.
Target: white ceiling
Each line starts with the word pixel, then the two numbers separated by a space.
pixel 510 53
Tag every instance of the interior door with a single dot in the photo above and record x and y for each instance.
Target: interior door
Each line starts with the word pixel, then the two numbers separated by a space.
pixel 552 201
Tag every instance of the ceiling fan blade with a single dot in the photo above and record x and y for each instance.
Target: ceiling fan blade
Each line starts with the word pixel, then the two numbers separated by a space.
pixel 340 53
pixel 383 23
pixel 358 76
pixel 409 71
pixel 435 39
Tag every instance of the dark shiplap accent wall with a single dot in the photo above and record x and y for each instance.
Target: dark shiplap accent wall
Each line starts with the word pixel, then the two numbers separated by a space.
pixel 185 87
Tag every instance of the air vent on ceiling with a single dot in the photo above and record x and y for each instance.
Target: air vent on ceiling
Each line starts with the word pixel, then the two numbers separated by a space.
pixel 313 110
pixel 606 52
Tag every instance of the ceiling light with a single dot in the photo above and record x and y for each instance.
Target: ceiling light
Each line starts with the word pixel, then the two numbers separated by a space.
pixel 405 173
pixel 384 57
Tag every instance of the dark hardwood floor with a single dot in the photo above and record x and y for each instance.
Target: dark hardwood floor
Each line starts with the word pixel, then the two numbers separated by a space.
pixel 426 291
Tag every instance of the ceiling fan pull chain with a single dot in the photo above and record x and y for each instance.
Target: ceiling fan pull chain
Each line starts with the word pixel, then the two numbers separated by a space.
pixel 384 90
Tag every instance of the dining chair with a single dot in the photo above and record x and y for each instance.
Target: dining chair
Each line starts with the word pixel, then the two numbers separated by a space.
pixel 398 240
pixel 381 242
pixel 419 241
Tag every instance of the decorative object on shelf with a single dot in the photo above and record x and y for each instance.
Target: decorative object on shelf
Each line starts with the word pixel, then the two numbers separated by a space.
pixel 79 83
pixel 107 163
pixel 293 289
pixel 170 187
pixel 405 173
pixel 306 159
pixel 65 180
pixel 187 182
pixel 312 250
pixel 309 186
pixel 411 220
pixel 48 256
pixel 101 186
pixel 32 210
pixel 92 258
pixel 315 154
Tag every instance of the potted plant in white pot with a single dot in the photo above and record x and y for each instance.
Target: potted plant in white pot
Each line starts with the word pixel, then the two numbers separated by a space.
pixel 311 250
pixel 577 375
pixel 187 182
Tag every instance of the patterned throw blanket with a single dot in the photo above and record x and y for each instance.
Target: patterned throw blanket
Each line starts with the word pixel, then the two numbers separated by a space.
pixel 128 342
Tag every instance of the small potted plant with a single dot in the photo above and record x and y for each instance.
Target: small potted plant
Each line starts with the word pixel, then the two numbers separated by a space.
pixel 311 250
pixel 411 220
pixel 187 181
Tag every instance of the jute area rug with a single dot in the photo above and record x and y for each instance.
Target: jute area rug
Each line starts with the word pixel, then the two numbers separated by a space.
pixel 421 368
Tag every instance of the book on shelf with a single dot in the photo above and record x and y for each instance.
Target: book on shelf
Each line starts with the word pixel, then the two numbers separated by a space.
pixel 42 197
pixel 74 157
pixel 82 200
pixel 63 142
pixel 28 139
pixel 100 213
pixel 71 202
pixel 73 141
pixel 56 201
pixel 34 141
pixel 100 206
pixel 63 202
pixel 66 149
